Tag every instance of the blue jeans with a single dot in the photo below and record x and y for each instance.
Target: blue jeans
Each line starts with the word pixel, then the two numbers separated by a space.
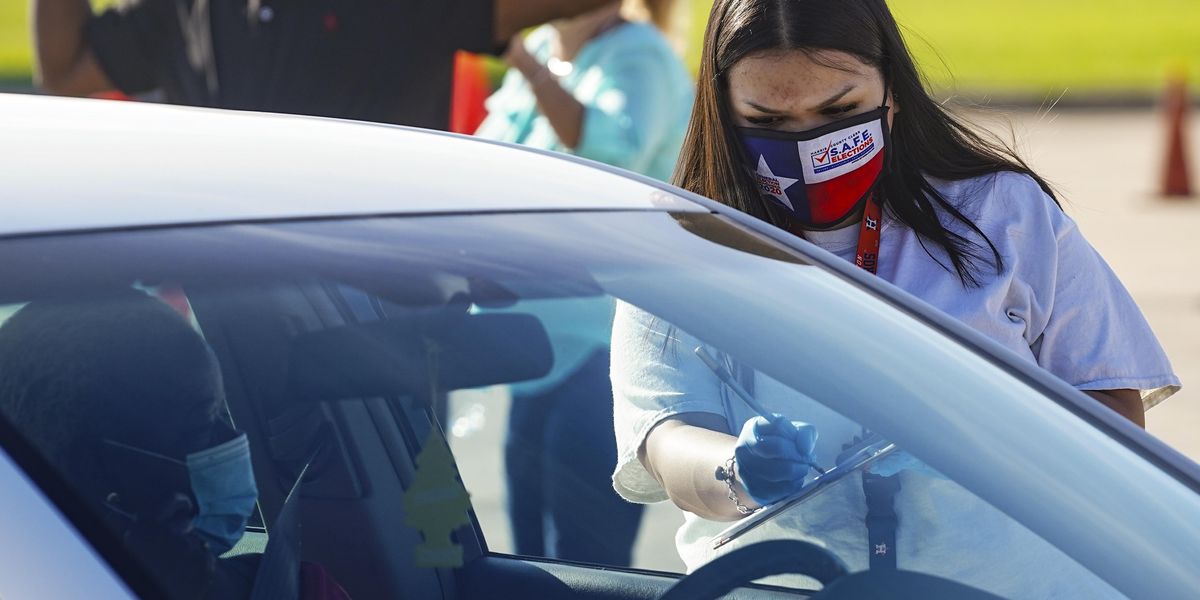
pixel 559 459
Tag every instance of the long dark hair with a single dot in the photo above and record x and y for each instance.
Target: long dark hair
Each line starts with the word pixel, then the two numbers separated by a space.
pixel 927 140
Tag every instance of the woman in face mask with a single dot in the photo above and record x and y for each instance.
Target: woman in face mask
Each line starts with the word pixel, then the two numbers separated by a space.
pixel 811 116
pixel 125 399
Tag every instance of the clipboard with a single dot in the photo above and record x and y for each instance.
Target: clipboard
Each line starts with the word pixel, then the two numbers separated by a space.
pixel 859 459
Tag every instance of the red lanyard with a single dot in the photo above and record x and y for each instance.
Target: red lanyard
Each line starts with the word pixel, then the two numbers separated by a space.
pixel 867 257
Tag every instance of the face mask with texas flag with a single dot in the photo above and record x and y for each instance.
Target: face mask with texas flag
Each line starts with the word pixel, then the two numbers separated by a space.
pixel 823 175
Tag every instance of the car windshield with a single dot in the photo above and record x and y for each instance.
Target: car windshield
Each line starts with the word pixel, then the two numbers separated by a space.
pixel 544 348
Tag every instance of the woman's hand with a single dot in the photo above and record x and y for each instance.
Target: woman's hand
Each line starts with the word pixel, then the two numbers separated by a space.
pixel 773 457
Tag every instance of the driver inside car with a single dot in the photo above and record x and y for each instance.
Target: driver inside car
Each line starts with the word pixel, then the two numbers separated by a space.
pixel 125 399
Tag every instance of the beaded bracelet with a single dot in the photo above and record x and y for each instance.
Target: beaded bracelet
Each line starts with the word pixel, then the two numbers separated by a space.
pixel 728 474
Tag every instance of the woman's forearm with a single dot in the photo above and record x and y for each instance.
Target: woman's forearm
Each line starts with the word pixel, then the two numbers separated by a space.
pixel 682 453
pixel 564 112
pixel 1127 403
pixel 64 63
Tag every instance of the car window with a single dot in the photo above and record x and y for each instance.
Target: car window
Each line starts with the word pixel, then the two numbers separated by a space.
pixel 527 357
pixel 539 459
pixel 538 455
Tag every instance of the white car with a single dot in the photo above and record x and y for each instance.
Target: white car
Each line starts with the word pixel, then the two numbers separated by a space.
pixel 349 277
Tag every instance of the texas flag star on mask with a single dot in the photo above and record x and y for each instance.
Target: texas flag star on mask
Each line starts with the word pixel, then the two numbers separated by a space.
pixel 772 184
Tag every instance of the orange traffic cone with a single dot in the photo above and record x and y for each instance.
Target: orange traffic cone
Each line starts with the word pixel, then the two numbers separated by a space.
pixel 1176 179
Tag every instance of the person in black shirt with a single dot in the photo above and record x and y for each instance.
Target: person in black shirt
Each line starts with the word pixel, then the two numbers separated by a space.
pixel 374 60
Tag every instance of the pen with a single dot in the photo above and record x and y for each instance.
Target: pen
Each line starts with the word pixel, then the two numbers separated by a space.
pixel 727 378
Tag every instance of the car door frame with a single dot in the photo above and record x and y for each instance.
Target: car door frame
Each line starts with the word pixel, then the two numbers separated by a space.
pixel 65 536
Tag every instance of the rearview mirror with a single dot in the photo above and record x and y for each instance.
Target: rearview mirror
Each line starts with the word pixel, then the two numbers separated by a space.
pixel 404 356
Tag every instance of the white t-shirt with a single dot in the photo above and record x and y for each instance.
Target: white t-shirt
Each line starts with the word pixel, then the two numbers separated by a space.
pixel 1055 303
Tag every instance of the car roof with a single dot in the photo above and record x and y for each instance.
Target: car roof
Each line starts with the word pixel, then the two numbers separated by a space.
pixel 76 164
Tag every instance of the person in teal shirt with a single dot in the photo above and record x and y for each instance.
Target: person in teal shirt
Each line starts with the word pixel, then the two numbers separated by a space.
pixel 596 86
pixel 611 89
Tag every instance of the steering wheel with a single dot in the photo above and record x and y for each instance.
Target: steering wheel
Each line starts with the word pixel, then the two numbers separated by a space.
pixel 749 563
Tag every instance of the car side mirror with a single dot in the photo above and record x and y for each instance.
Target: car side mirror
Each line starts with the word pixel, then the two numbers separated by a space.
pixel 405 356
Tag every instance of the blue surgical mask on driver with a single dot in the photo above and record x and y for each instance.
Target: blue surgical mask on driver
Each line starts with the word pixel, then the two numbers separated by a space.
pixel 223 483
pixel 221 480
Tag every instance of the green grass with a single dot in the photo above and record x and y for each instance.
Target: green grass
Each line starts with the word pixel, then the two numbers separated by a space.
pixel 1048 46
pixel 1041 47
pixel 1025 47
pixel 14 41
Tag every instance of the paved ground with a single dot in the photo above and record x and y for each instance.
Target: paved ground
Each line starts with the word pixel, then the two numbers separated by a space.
pixel 1105 165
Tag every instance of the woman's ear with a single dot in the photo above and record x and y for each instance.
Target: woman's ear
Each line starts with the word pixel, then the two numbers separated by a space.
pixel 893 102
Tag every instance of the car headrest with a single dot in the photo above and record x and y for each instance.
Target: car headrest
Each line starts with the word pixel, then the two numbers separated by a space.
pixel 398 356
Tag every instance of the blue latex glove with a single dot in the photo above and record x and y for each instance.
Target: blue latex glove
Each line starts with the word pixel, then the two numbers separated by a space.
pixel 773 457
